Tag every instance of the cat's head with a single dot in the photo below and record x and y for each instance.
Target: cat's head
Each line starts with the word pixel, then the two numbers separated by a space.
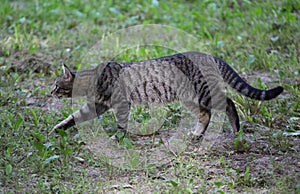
pixel 64 83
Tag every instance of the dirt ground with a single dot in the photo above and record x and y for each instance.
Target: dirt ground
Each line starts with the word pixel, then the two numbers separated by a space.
pixel 268 161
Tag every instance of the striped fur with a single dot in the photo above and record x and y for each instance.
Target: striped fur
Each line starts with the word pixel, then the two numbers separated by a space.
pixel 196 79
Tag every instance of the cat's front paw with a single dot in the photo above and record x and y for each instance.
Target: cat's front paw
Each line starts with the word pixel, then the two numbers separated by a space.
pixel 55 128
pixel 114 138
pixel 65 124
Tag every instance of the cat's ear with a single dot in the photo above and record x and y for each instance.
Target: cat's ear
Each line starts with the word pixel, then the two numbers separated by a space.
pixel 67 71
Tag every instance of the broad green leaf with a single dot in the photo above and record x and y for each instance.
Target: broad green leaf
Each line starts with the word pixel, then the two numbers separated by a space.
pixel 67 151
pixel 8 169
pixel 50 159
pixel 19 122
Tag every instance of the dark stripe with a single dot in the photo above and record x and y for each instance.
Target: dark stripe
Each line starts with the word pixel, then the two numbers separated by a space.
pixel 145 90
pixel 207 101
pixel 257 94
pixel 156 90
pixel 147 73
pixel 231 77
pixel 251 93
pixel 137 94
pixel 152 99
pixel 242 87
pixel 166 91
pixel 227 74
pixel 202 85
pixel 203 92
pixel 233 85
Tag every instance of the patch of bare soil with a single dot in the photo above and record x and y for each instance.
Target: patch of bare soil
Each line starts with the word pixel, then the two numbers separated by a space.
pixel 270 160
pixel 23 61
pixel 267 79
pixel 271 156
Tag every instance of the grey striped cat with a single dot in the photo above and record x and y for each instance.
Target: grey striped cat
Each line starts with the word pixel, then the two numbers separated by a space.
pixel 196 79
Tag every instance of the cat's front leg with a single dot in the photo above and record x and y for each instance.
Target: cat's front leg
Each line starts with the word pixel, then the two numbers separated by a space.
pixel 65 124
pixel 86 112
pixel 122 112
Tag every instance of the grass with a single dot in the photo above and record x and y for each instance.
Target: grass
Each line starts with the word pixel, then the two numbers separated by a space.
pixel 259 39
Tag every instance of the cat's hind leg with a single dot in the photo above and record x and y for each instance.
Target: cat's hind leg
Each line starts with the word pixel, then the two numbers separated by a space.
pixel 232 115
pixel 203 115
pixel 204 118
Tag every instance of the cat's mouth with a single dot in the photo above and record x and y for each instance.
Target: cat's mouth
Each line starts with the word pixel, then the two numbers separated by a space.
pixel 60 92
pixel 55 92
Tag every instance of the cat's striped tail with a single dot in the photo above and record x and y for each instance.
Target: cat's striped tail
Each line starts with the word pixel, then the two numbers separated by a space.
pixel 236 82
